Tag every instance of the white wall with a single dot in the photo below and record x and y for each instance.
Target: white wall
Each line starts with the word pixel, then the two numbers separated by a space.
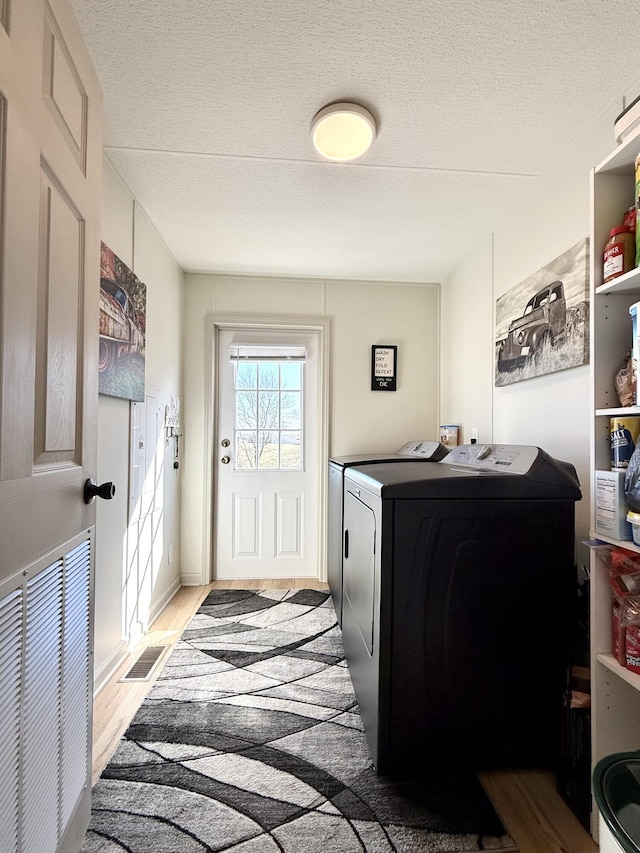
pixel 127 230
pixel 550 411
pixel 360 314
pixel 363 314
pixel 466 349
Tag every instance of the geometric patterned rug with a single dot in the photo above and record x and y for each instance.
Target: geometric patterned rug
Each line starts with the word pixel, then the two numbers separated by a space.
pixel 250 741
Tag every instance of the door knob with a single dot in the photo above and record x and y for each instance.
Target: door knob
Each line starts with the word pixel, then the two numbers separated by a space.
pixel 92 490
pixel 225 460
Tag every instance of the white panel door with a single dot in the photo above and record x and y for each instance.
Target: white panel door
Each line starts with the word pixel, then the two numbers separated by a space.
pixel 49 279
pixel 50 197
pixel 266 463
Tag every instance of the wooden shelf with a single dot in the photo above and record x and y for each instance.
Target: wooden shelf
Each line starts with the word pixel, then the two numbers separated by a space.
pixel 622 158
pixel 619 412
pixel 622 672
pixel 627 544
pixel 627 283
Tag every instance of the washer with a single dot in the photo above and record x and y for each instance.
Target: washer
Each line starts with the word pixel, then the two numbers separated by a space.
pixel 458 584
pixel 412 451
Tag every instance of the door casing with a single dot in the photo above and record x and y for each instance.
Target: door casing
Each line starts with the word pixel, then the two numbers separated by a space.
pixel 256 323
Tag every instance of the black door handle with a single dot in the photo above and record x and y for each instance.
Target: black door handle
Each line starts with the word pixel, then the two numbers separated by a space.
pixel 92 491
pixel 346 544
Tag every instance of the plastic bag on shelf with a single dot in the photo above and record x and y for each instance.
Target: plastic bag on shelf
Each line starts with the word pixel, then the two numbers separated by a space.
pixel 625 381
pixel 632 480
pixel 617 631
pixel 624 573
pixel 630 621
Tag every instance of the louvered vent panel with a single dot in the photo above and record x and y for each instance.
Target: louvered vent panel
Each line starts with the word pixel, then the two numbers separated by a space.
pixel 45 702
pixel 76 683
pixel 43 682
pixel 11 679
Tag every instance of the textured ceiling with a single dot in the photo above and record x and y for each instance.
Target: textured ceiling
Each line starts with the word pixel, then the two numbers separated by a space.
pixel 208 106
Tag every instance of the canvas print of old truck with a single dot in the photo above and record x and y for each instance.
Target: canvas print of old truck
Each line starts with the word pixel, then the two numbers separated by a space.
pixel 542 324
pixel 123 301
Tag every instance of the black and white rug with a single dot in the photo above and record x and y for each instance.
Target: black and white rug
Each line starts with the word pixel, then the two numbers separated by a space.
pixel 250 741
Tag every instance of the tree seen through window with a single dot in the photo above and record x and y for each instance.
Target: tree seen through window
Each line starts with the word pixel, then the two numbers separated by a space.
pixel 268 416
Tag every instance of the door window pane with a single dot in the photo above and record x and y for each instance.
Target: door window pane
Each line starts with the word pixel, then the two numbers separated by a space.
pixel 269 374
pixel 268 449
pixel 290 410
pixel 290 456
pixel 268 409
pixel 247 375
pixel 246 449
pixel 246 410
pixel 292 375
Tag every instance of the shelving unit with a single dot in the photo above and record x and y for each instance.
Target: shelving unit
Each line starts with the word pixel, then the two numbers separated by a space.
pixel 615 714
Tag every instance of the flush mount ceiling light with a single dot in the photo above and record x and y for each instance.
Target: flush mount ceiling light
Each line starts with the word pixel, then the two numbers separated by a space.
pixel 343 132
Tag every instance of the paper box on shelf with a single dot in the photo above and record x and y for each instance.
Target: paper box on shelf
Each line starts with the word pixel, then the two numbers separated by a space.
pixel 611 506
pixel 632 648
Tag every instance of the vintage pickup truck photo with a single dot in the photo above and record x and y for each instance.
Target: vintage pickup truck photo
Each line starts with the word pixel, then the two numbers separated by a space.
pixel 120 332
pixel 544 320
pixel 542 323
pixel 121 354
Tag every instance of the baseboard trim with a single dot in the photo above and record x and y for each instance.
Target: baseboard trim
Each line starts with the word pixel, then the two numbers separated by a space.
pixel 191 579
pixel 102 675
pixel 164 601
pixel 123 649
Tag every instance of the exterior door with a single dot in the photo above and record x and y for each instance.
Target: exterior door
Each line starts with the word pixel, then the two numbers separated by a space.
pixel 267 455
pixel 50 196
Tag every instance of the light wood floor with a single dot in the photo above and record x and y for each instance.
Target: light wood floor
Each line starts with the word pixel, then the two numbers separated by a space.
pixel 535 815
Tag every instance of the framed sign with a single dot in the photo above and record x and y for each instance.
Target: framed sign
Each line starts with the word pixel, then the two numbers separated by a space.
pixel 384 367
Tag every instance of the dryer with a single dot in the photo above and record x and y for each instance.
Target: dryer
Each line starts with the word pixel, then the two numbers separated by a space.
pixel 458 580
pixel 412 451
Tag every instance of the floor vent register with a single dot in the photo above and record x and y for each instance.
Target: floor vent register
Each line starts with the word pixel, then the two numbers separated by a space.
pixel 145 665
